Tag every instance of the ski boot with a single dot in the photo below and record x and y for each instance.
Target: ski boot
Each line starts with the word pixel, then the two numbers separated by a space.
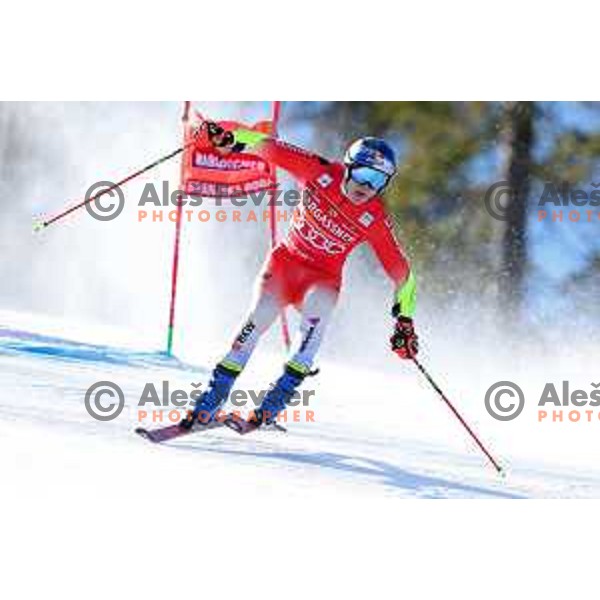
pixel 274 402
pixel 208 404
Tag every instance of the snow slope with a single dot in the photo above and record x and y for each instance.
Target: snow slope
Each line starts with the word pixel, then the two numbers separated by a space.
pixel 406 448
pixel 89 509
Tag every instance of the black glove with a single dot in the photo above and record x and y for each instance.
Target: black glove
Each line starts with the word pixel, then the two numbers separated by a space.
pixel 404 341
pixel 219 137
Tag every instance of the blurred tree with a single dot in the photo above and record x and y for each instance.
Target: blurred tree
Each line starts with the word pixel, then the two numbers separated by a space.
pixel 450 153
pixel 520 123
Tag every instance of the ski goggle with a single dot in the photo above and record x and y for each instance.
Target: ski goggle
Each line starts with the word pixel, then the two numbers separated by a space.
pixel 376 180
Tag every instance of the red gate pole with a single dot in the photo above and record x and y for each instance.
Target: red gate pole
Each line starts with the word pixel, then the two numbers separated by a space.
pixel 175 266
pixel 273 214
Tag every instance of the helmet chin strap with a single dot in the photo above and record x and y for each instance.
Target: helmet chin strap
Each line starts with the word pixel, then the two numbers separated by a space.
pixel 344 183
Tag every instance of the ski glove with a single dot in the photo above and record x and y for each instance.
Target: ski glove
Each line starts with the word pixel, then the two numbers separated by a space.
pixel 405 342
pixel 219 137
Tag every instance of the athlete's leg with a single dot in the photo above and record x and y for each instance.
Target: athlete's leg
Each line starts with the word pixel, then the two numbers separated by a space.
pixel 317 307
pixel 264 311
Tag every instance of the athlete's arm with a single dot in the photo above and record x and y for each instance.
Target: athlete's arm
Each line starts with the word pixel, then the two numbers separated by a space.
pixel 298 162
pixel 393 260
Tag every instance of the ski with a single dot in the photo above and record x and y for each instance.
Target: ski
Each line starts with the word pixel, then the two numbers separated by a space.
pixel 171 432
pixel 232 421
pixel 243 427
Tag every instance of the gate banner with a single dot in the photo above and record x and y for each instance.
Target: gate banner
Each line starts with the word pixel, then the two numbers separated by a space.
pixel 208 173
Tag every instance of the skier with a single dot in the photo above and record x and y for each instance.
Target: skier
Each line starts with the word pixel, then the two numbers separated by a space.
pixel 342 208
